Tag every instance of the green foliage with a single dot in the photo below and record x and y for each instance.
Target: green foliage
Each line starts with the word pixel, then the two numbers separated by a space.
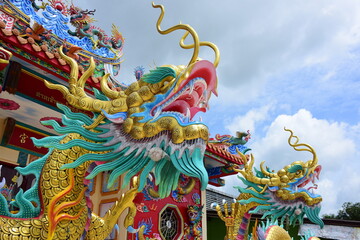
pixel 349 211
pixel 329 216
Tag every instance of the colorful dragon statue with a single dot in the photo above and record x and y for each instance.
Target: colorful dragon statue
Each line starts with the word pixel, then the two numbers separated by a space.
pixel 81 20
pixel 194 229
pixel 277 195
pixel 148 127
pixel 233 143
pixel 241 138
pixel 185 186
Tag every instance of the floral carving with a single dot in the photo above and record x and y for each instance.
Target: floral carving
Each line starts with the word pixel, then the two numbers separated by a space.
pixel 8 104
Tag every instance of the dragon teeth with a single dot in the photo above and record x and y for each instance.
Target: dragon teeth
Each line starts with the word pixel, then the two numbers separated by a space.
pixel 191 89
pixel 157 113
pixel 188 114
pixel 205 94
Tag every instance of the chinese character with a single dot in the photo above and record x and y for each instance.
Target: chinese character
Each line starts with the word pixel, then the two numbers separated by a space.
pixel 23 138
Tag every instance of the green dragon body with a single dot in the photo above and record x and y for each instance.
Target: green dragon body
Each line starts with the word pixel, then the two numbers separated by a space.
pixel 148 127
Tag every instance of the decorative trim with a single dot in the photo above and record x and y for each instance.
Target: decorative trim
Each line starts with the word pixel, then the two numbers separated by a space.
pixel 8 19
pixel 5 56
pixel 52 66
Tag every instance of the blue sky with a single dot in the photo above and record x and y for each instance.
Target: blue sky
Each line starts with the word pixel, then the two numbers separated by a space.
pixel 283 63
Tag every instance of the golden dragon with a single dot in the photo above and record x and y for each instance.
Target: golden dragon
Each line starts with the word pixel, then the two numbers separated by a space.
pixel 286 195
pixel 147 127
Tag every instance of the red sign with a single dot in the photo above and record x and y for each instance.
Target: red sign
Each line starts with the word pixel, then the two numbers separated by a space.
pixel 34 87
pixel 18 136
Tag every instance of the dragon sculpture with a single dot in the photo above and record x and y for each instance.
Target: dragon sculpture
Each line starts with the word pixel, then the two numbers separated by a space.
pixel 283 195
pixel 233 144
pixel 81 20
pixel 148 127
pixel 194 229
pixel 241 138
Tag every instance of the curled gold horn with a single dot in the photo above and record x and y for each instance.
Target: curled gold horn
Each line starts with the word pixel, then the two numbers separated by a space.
pixel 77 96
pixel 302 147
pixel 249 175
pixel 265 171
pixel 209 44
pixel 185 27
pixel 106 90
pixel 243 157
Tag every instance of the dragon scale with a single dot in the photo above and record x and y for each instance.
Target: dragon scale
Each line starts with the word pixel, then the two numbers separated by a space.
pixel 54 184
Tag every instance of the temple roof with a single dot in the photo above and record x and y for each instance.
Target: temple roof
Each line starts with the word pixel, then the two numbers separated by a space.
pixel 220 151
pixel 34 34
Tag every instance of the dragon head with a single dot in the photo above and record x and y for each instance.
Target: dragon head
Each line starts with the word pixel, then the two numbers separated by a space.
pixel 150 125
pixel 287 192
pixel 194 213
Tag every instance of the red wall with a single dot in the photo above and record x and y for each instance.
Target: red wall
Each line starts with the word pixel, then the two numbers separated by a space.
pixel 149 209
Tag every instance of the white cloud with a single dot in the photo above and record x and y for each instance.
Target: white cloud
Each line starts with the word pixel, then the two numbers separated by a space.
pixel 257 41
pixel 279 37
pixel 335 149
pixel 249 120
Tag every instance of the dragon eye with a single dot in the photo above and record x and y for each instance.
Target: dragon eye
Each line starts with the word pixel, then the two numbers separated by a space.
pixel 298 172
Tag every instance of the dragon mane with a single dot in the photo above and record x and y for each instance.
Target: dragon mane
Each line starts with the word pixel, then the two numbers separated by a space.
pixel 269 207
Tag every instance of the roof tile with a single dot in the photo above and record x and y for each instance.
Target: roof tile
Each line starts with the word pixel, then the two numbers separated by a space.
pixel 219 150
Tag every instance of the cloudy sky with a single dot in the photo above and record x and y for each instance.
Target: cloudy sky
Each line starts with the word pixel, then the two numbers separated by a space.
pixel 291 64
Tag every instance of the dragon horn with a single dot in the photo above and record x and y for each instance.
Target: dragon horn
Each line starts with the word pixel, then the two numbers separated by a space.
pixel 243 157
pixel 266 172
pixel 185 27
pixel 302 147
pixel 249 175
pixel 209 44
pixel 80 84
pixel 107 91
pixel 77 97
pixel 74 70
